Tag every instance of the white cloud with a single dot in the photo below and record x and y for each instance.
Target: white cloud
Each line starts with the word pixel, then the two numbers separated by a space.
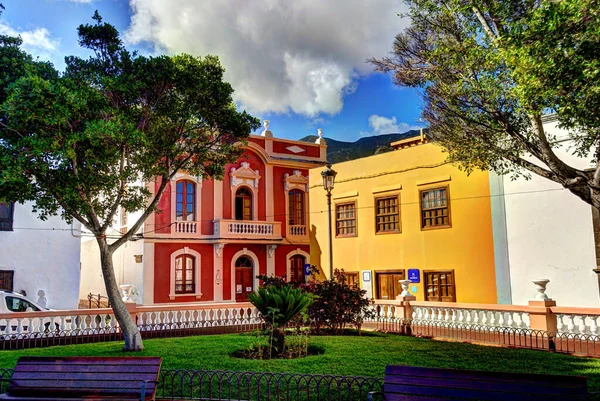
pixel 382 125
pixel 37 42
pixel 280 55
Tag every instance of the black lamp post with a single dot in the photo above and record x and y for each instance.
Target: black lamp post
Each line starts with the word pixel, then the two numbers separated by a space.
pixel 328 181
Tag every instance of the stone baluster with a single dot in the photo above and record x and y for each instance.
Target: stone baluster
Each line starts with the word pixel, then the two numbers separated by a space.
pixel 484 318
pixel 560 326
pixel 570 324
pixel 582 326
pixel 476 320
pixel 440 315
pixel 593 325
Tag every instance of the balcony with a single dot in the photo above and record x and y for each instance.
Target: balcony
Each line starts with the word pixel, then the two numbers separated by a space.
pixel 298 234
pixel 246 229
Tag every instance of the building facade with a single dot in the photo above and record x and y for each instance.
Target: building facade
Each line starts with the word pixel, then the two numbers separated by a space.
pixel 407 214
pixel 39 258
pixel 542 231
pixel 212 238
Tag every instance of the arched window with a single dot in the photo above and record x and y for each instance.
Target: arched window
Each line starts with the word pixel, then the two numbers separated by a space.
pixel 296 207
pixel 186 201
pixel 185 277
pixel 243 204
pixel 243 261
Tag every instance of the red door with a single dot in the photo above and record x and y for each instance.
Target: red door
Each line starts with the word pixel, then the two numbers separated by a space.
pixel 244 280
pixel 297 269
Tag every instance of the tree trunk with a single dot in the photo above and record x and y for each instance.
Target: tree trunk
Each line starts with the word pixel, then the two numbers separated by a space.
pixel 131 333
pixel 278 341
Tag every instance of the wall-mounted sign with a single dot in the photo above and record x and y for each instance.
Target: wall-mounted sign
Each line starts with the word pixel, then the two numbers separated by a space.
pixel 414 275
pixel 307 269
pixel 366 275
pixel 238 289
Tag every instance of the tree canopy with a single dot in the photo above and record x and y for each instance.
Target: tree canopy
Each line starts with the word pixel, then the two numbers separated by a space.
pixel 489 71
pixel 83 143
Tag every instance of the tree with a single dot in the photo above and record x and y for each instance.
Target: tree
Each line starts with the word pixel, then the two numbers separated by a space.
pixel 280 304
pixel 82 144
pixel 489 70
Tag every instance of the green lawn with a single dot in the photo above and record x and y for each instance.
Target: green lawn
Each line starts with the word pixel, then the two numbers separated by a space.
pixel 347 355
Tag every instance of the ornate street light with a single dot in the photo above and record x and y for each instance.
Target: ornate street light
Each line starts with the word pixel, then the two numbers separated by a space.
pixel 328 181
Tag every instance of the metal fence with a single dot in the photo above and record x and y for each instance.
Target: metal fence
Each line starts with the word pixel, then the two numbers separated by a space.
pixel 253 386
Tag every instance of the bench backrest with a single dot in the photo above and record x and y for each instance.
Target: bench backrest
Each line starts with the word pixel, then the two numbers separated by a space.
pixel 84 376
pixel 431 384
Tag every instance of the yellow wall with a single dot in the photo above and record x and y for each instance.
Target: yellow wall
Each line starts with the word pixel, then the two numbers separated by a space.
pixel 466 247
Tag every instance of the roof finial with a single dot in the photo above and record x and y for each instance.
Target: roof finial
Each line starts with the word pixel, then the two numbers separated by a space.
pixel 267 132
pixel 320 139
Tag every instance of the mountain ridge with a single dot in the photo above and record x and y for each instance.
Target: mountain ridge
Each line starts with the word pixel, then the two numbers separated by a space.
pixel 341 151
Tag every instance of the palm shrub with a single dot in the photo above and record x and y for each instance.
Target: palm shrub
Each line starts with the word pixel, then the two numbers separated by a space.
pixel 279 305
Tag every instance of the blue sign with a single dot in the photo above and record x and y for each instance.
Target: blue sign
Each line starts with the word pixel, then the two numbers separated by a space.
pixel 414 275
pixel 307 269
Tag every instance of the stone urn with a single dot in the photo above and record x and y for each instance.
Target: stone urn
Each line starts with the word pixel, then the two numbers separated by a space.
pixel 540 287
pixel 405 284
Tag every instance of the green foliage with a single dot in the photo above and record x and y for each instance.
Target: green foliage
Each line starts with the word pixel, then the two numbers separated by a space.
pixel 489 70
pixel 279 305
pixel 337 303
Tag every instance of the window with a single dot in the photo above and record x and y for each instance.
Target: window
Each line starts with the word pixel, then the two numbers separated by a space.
pixel 435 209
pixel 387 215
pixel 387 283
pixel 243 204
pixel 296 207
pixel 123 221
pixel 6 216
pixel 186 201
pixel 352 279
pixel 6 279
pixel 185 280
pixel 345 220
pixel 15 304
pixel 439 286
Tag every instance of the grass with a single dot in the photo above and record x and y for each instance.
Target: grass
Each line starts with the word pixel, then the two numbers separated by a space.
pixel 344 355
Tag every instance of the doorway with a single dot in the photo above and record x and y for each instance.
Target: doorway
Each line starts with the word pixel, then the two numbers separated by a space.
pixel 244 278
pixel 297 269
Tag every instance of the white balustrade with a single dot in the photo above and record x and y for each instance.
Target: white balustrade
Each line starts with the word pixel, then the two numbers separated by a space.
pixel 577 324
pixel 250 228
pixel 186 227
pixel 299 231
pixel 475 317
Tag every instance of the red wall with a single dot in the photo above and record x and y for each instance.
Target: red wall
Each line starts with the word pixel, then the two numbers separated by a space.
pixel 280 257
pixel 162 220
pixel 258 141
pixel 231 249
pixel 308 149
pixel 256 163
pixel 162 271
pixel 208 202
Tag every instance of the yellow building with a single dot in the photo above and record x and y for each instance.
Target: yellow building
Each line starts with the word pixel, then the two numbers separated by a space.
pixel 403 210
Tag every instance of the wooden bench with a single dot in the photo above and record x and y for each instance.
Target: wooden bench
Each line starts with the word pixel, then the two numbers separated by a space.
pixel 83 378
pixel 410 383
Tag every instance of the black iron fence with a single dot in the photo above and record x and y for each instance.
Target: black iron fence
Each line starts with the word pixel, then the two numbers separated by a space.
pixel 253 386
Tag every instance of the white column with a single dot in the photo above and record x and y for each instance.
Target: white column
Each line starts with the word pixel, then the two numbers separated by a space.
pixel 218 272
pixel 218 200
pixel 271 260
pixel 148 273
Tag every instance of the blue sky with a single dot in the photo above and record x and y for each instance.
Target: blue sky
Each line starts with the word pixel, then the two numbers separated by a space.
pixel 300 65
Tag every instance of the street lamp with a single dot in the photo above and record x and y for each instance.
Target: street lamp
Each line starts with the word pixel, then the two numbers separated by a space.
pixel 328 181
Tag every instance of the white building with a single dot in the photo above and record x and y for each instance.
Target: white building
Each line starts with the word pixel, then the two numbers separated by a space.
pixel 541 230
pixel 39 256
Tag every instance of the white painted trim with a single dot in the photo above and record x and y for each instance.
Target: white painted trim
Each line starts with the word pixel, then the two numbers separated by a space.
pixel 244 176
pixel 255 269
pixel 218 200
pixel 218 267
pixel 269 197
pixel 197 291
pixel 148 273
pixel 288 261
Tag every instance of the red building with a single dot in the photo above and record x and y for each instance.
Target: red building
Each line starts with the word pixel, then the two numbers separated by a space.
pixel 213 237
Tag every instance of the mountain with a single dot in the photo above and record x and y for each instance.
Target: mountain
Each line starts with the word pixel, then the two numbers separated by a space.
pixel 340 151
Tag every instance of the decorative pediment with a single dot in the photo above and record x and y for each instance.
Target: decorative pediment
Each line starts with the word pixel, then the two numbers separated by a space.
pixel 244 175
pixel 295 180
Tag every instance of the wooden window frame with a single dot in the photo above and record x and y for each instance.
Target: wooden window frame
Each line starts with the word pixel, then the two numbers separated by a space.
pixel 376 274
pixel 353 274
pixel 441 226
pixel 335 210
pixel 249 196
pixel 397 230
pixel 183 202
pixel 7 224
pixel 10 277
pixel 293 210
pixel 446 271
pixel 184 281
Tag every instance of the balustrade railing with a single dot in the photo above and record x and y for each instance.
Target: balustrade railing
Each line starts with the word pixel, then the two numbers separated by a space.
pixel 186 227
pixel 298 231
pixel 247 229
pixel 475 314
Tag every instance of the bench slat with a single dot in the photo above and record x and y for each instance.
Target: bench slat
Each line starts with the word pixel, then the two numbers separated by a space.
pixel 87 368
pixel 114 360
pixel 83 376
pixel 510 387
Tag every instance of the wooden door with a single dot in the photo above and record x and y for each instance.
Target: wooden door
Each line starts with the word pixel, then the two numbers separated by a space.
pixel 244 283
pixel 297 269
pixel 388 285
pixel 439 286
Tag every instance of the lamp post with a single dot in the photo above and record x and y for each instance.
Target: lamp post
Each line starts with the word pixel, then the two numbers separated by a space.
pixel 328 181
